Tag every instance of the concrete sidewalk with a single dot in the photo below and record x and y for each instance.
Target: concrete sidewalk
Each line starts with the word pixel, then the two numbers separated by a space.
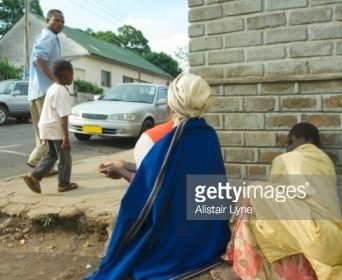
pixel 97 199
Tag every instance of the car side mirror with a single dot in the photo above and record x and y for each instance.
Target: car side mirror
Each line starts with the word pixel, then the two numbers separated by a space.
pixel 161 102
pixel 16 92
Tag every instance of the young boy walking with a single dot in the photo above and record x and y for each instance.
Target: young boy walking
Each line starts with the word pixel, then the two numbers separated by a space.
pixel 53 127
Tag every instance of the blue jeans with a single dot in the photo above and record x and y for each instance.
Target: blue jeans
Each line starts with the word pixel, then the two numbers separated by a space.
pixel 47 163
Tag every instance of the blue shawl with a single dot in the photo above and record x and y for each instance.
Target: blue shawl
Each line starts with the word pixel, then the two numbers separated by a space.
pixel 164 244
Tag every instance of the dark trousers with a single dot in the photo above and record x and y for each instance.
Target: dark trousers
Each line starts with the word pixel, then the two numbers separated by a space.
pixel 46 163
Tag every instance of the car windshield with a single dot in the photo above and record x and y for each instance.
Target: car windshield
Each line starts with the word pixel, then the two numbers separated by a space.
pixel 6 87
pixel 130 93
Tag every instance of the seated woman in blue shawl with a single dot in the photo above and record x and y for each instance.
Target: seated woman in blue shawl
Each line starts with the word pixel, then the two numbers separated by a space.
pixel 152 237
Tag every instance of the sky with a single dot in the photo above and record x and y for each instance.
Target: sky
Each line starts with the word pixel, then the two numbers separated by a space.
pixel 164 23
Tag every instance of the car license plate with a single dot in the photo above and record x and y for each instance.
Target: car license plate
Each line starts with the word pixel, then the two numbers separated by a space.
pixel 92 129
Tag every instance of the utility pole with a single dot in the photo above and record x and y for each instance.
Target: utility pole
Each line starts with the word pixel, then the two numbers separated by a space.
pixel 26 39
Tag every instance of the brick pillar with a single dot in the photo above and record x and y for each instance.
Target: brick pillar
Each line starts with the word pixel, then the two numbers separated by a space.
pixel 271 64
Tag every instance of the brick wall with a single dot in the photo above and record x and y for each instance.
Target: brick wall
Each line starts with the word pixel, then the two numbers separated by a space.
pixel 271 64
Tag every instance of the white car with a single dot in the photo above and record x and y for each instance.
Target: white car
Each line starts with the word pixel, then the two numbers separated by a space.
pixel 13 100
pixel 125 110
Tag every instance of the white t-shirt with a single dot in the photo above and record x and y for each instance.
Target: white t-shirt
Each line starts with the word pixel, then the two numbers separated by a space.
pixel 56 105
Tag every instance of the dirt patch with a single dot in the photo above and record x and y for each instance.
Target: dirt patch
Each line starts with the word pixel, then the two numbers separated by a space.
pixel 36 252
pixel 51 249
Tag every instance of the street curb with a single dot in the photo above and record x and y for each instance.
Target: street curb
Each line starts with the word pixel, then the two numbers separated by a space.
pixel 12 178
pixel 91 207
pixel 7 179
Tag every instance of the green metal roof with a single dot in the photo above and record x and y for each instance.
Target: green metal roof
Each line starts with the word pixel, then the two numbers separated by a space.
pixel 111 51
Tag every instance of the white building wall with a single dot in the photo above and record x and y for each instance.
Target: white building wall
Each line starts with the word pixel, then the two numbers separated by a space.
pixel 92 71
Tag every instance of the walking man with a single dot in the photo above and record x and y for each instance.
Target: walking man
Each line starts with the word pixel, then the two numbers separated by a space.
pixel 45 51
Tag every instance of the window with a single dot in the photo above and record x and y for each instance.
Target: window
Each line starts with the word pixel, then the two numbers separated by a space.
pixel 6 87
pixel 105 79
pixel 162 93
pixel 79 74
pixel 22 88
pixel 126 79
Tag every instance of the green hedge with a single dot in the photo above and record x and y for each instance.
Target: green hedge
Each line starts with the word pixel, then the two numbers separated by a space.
pixel 8 71
pixel 84 86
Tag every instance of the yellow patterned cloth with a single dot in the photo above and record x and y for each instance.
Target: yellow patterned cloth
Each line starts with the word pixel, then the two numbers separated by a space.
pixel 310 225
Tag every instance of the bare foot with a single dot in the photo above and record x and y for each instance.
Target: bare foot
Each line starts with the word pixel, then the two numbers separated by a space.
pixel 223 272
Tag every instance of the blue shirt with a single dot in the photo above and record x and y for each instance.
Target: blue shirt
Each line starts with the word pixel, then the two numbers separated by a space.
pixel 46 47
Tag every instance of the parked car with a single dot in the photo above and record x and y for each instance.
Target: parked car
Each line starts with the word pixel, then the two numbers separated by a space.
pixel 13 100
pixel 125 110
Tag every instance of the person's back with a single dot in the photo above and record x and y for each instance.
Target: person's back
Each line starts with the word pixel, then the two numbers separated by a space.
pixel 174 245
pixel 306 159
pixel 153 238
pixel 296 223
pixel 312 165
pixel 311 222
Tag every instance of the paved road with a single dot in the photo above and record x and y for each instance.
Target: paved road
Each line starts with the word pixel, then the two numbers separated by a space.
pixel 17 142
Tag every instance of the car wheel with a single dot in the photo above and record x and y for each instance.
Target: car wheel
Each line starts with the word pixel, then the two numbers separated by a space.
pixel 82 137
pixel 3 115
pixel 147 124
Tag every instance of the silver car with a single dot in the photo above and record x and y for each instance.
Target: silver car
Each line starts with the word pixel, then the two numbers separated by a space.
pixel 13 100
pixel 125 110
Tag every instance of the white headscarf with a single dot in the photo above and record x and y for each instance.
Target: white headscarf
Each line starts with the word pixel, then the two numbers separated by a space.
pixel 189 96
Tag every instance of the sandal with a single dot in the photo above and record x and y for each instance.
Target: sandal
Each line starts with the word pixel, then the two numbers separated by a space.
pixel 69 187
pixel 32 183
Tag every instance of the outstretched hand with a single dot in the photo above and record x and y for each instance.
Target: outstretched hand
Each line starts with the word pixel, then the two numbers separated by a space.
pixel 113 170
pixel 116 170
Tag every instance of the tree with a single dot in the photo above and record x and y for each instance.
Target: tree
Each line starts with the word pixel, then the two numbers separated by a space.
pixel 128 38
pixel 108 36
pixel 90 32
pixel 12 10
pixel 8 71
pixel 182 56
pixel 35 8
pixel 164 62
pixel 132 39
